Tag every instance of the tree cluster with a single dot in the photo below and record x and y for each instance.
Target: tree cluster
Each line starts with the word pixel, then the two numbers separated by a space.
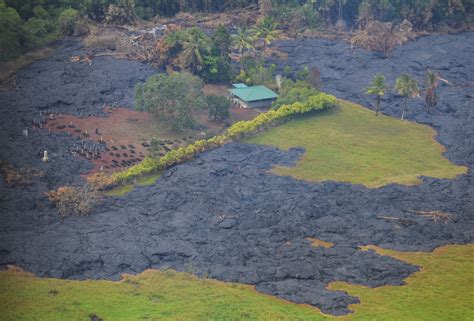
pixel 218 107
pixel 424 15
pixel 172 99
pixel 195 51
pixel 407 87
pixel 294 91
pixel 26 25
pixel 254 72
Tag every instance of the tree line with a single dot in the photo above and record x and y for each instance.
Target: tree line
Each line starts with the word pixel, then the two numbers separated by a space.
pixel 28 24
pixel 422 13
pixel 407 87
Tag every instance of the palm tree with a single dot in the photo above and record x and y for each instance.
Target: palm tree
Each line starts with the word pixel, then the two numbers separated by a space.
pixel 408 88
pixel 377 87
pixel 267 31
pixel 195 45
pixel 243 40
pixel 432 81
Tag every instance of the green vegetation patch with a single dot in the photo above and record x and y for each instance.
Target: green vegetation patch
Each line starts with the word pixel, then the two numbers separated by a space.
pixel 442 290
pixel 152 295
pixel 121 190
pixel 349 144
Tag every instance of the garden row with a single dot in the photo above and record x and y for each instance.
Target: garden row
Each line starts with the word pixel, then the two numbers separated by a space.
pixel 318 102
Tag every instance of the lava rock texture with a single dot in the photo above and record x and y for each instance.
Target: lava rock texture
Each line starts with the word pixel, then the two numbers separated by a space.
pixel 224 215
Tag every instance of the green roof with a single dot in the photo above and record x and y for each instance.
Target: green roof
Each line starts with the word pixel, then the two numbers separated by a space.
pixel 254 93
pixel 240 85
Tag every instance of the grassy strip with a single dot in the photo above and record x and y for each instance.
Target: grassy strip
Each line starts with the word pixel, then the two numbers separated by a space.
pixel 121 190
pixel 349 144
pixel 442 290
pixel 238 130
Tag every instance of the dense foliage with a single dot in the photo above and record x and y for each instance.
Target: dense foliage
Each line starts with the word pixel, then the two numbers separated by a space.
pixel 342 13
pixel 195 51
pixel 218 107
pixel 28 24
pixel 67 21
pixel 292 92
pixel 254 72
pixel 160 96
pixel 238 130
pixel 217 63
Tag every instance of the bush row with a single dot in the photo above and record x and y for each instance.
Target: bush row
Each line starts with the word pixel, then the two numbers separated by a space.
pixel 238 130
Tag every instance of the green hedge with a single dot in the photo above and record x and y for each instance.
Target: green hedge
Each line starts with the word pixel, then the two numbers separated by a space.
pixel 240 129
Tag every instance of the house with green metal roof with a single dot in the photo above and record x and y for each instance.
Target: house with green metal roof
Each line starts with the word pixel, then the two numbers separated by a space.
pixel 252 96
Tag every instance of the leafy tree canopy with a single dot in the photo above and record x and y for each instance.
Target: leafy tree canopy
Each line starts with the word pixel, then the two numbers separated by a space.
pixel 292 92
pixel 172 98
pixel 218 107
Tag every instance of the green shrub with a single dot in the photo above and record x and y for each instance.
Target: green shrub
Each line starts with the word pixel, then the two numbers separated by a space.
pixel 291 92
pixel 38 32
pixel 40 12
pixel 254 72
pixel 171 98
pixel 67 21
pixel 218 107
pixel 11 27
pixel 217 64
pixel 303 74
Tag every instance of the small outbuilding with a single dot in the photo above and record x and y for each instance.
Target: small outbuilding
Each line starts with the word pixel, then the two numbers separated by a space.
pixel 252 96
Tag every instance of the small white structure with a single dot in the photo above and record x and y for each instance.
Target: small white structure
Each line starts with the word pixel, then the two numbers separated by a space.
pixel 45 156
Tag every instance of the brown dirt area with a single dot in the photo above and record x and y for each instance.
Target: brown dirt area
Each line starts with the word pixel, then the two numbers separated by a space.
pixel 127 134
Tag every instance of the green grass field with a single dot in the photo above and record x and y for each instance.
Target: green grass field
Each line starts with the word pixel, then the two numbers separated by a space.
pixel 442 290
pixel 349 144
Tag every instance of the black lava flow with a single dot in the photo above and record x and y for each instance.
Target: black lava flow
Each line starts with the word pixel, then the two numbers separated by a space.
pixel 224 215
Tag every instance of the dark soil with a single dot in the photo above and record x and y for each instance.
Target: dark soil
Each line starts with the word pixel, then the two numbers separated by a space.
pixel 224 215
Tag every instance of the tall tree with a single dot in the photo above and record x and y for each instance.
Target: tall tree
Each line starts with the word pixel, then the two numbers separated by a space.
pixel 432 82
pixel 266 30
pixel 243 40
pixel 218 63
pixel 407 87
pixel 195 44
pixel 377 87
pixel 431 85
pixel 221 42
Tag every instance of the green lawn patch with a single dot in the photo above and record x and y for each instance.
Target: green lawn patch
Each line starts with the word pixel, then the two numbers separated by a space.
pixel 349 144
pixel 442 290
pixel 152 295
